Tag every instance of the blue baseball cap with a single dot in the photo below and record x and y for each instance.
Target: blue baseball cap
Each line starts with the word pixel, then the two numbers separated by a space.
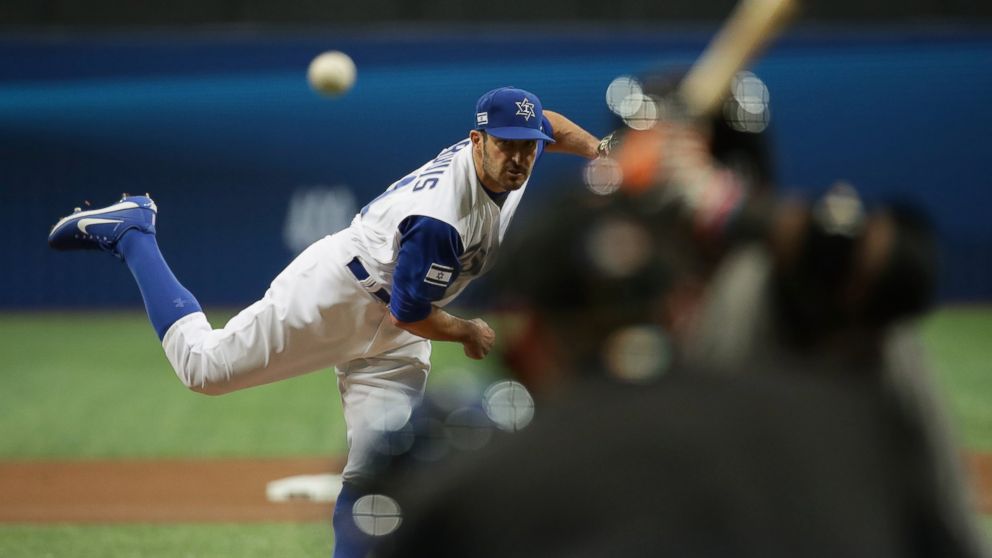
pixel 511 113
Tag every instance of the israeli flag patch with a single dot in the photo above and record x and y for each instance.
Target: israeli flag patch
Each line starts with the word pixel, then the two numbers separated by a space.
pixel 481 118
pixel 439 275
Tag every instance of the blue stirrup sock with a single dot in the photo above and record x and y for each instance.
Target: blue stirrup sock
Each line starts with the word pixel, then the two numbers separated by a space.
pixel 349 540
pixel 166 300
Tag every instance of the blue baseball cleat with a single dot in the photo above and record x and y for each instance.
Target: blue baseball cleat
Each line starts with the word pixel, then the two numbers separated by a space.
pixel 101 229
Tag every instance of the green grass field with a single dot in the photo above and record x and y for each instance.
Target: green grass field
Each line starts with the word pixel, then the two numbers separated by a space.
pixel 959 341
pixel 99 386
pixel 166 541
pixel 176 541
pixel 84 386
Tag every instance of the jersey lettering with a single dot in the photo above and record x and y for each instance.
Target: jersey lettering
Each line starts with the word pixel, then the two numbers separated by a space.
pixel 436 168
pixel 425 183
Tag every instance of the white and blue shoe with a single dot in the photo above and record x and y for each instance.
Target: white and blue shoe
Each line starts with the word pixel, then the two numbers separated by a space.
pixel 101 229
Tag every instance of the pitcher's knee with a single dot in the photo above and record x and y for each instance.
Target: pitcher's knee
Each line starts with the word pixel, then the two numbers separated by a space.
pixel 210 389
pixel 203 378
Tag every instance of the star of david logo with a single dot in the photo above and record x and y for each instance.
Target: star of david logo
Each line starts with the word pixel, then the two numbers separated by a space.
pixel 525 108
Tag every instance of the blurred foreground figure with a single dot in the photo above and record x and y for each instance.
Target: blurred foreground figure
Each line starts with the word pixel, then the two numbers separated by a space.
pixel 828 293
pixel 829 288
pixel 629 454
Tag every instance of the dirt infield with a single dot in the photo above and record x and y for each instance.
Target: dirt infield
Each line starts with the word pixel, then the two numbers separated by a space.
pixel 185 491
pixel 155 491
pixel 980 469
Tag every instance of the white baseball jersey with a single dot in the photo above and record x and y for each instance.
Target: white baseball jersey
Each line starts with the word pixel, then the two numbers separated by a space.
pixel 447 189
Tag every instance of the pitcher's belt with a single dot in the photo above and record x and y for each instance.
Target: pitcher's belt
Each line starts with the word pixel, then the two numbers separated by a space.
pixel 370 285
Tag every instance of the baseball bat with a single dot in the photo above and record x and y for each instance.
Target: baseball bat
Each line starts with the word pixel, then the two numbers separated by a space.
pixel 750 26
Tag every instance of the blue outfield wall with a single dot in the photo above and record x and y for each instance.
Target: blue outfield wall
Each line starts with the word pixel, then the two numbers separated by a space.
pixel 248 165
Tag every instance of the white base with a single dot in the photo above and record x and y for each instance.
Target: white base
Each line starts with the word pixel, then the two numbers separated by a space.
pixel 310 488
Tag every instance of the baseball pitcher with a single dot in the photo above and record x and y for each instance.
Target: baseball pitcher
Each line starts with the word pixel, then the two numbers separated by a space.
pixel 366 300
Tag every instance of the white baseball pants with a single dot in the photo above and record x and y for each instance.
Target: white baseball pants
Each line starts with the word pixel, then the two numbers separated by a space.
pixel 314 315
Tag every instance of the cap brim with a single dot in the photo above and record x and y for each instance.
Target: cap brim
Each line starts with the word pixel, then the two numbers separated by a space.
pixel 519 133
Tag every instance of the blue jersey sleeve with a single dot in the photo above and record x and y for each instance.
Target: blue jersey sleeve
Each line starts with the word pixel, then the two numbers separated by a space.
pixel 427 264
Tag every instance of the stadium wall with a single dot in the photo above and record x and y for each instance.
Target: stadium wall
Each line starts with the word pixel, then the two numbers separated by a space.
pixel 248 165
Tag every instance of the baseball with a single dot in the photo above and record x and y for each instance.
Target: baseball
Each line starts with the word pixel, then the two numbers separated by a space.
pixel 331 73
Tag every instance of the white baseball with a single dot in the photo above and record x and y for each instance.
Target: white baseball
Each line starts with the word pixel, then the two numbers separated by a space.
pixel 331 73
